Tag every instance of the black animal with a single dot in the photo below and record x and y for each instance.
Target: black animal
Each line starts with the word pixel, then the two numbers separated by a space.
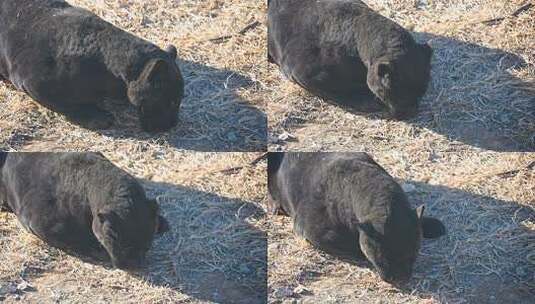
pixel 348 205
pixel 70 60
pixel 82 203
pixel 344 51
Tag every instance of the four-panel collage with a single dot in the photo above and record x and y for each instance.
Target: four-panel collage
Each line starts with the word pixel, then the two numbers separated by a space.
pixel 279 151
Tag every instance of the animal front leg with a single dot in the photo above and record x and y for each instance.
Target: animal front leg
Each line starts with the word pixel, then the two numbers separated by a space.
pixel 89 116
pixel 53 96
pixel 274 207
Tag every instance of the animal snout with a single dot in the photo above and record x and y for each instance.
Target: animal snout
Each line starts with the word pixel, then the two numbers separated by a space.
pixel 398 277
pixel 397 280
pixel 158 122
pixel 135 264
pixel 403 113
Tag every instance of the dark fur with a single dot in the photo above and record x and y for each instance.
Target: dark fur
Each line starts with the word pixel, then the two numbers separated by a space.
pixel 82 203
pixel 3 201
pixel 345 52
pixel 346 204
pixel 70 60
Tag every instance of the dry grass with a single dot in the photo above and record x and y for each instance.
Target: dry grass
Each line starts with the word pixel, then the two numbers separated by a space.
pixel 216 250
pixel 222 110
pixel 466 156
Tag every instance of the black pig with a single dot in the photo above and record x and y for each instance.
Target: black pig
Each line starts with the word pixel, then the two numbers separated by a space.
pixel 344 51
pixel 348 205
pixel 81 203
pixel 70 60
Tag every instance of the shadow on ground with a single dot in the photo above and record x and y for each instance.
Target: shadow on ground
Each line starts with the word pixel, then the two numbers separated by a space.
pixel 211 252
pixel 474 98
pixel 213 117
pixel 488 254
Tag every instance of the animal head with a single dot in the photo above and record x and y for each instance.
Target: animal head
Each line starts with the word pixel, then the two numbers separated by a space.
pixel 127 234
pixel 400 83
pixel 392 248
pixel 157 93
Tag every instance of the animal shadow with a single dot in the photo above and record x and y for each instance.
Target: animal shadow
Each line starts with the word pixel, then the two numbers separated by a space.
pixel 211 252
pixel 212 117
pixel 487 255
pixel 474 96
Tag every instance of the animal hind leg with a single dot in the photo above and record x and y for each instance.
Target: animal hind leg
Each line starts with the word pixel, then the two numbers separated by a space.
pixel 87 115
pixel 43 220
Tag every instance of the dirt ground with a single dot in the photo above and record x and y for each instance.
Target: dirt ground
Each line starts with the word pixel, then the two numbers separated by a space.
pixel 222 109
pixel 215 252
pixel 468 155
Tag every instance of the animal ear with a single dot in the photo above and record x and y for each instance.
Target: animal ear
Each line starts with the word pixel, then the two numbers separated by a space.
pixel 432 228
pixel 420 212
pixel 163 225
pixel 158 70
pixel 172 51
pixel 427 49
